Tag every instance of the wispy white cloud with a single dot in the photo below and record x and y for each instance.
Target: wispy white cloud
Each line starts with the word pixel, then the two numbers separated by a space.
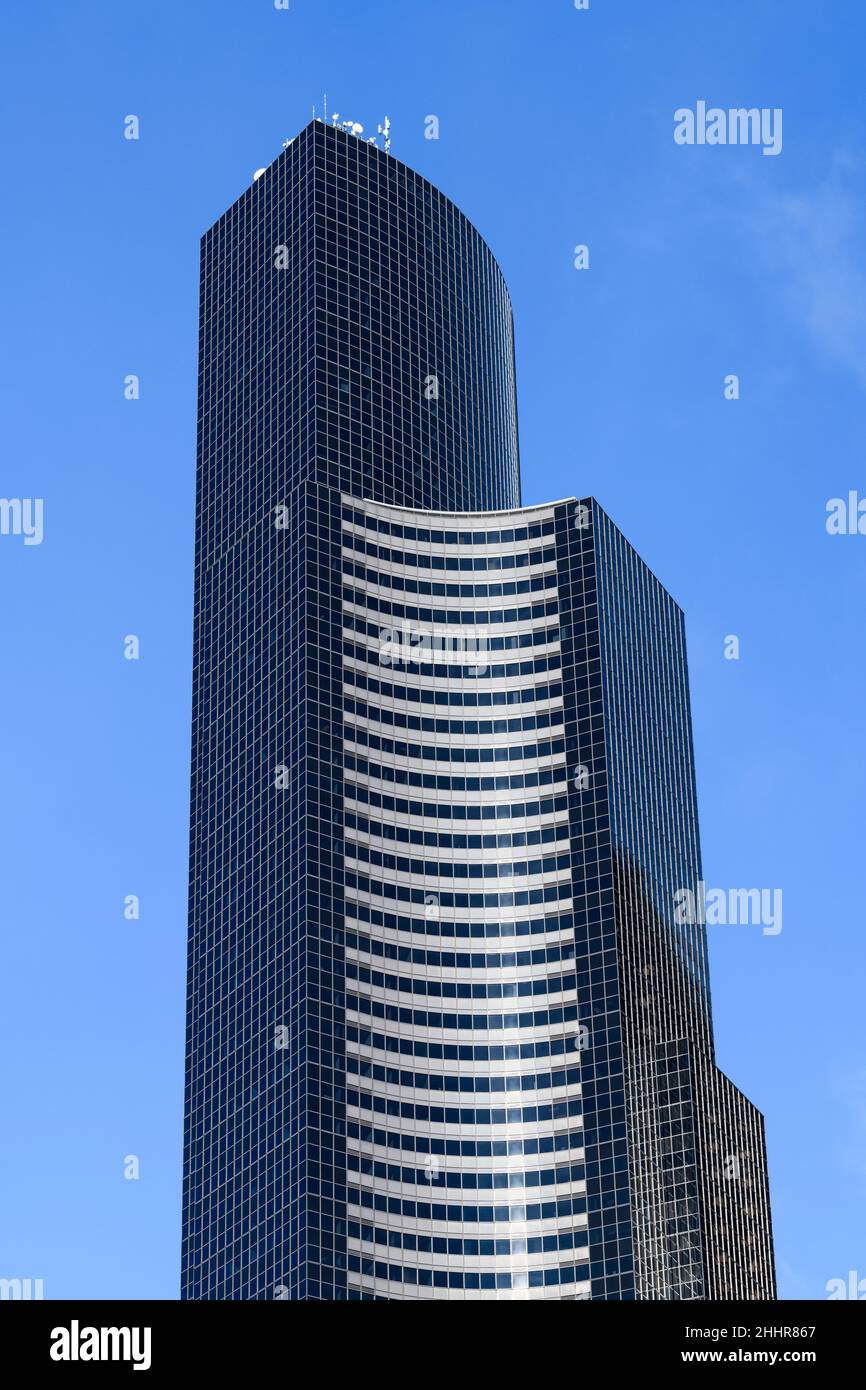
pixel 791 1283
pixel 816 238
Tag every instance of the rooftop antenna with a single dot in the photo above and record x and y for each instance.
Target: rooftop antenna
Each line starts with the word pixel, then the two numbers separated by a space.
pixel 385 130
pixel 325 100
pixel 353 127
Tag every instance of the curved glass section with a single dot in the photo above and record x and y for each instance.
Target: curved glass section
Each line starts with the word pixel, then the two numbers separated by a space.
pixel 356 331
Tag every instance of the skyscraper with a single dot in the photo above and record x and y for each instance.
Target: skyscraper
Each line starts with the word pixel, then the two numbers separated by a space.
pixel 446 1035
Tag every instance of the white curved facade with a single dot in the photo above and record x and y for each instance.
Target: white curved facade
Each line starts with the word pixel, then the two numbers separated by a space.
pixel 464 1132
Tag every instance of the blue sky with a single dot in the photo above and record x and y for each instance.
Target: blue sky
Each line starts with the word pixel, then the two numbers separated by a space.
pixel 556 128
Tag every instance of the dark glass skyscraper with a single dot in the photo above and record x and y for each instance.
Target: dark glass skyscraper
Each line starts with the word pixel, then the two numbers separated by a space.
pixel 446 1036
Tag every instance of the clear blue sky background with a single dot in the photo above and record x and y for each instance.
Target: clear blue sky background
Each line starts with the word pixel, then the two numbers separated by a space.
pixel 556 128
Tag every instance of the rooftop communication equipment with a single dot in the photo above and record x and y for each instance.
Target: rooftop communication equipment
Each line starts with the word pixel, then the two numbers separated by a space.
pixel 355 127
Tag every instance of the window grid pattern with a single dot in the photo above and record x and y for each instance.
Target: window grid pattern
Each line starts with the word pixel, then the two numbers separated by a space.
pixel 445 1038
pixel 466 1099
